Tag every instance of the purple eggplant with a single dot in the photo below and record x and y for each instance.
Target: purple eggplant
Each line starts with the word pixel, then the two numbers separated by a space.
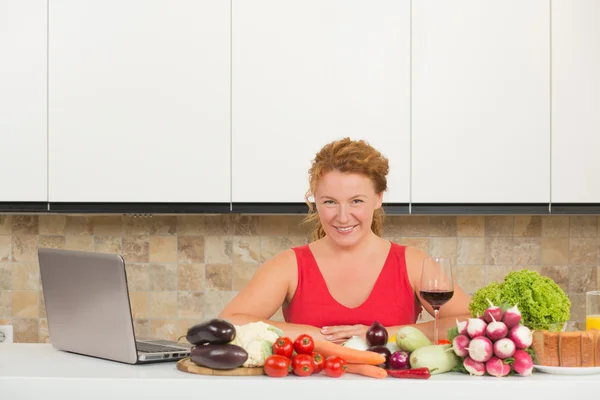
pixel 219 356
pixel 213 331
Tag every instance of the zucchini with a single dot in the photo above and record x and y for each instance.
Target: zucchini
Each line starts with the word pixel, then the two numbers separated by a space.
pixel 438 358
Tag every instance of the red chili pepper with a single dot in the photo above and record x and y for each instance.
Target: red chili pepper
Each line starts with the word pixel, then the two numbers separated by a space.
pixel 414 373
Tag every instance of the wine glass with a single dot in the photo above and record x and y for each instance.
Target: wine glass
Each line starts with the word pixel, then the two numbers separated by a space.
pixel 437 286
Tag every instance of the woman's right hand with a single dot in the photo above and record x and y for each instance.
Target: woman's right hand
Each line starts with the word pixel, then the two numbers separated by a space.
pixel 341 333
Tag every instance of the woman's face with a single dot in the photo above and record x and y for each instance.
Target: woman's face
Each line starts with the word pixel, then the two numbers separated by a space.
pixel 345 203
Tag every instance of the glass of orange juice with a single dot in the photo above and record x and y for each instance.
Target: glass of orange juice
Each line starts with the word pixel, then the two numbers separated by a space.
pixel 592 310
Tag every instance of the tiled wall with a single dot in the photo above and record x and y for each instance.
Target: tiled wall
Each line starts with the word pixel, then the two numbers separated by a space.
pixel 184 269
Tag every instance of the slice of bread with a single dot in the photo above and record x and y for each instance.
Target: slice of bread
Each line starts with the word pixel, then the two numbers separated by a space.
pixel 596 334
pixel 587 349
pixel 537 344
pixel 545 345
pixel 569 347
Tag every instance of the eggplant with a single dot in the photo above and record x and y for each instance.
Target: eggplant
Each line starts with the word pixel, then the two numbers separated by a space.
pixel 219 356
pixel 383 350
pixel 376 334
pixel 213 331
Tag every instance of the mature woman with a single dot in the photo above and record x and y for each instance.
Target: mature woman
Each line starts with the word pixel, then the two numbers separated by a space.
pixel 348 276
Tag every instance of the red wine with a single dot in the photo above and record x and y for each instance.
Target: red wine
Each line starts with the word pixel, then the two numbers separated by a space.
pixel 437 298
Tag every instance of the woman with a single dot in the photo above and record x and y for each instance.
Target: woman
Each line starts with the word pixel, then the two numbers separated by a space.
pixel 348 276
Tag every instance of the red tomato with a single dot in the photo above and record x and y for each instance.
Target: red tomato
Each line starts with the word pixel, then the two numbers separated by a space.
pixel 283 347
pixel 304 344
pixel 303 365
pixel 334 366
pixel 319 361
pixel 277 366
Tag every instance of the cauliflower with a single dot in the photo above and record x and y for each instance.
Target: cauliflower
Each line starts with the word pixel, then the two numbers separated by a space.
pixel 257 339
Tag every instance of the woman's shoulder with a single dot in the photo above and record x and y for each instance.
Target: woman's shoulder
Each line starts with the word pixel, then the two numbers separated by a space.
pixel 414 255
pixel 411 256
pixel 404 253
pixel 283 262
pixel 402 250
pixel 283 257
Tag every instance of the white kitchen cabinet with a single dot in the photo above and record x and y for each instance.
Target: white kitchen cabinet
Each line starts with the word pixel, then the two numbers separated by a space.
pixel 139 101
pixel 575 101
pixel 23 106
pixel 307 72
pixel 481 101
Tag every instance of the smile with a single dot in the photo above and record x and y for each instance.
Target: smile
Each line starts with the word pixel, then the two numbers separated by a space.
pixel 345 229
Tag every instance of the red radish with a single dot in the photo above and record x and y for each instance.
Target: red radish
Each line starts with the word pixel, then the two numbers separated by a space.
pixel 496 330
pixel 492 313
pixel 460 344
pixel 522 336
pixel 504 348
pixel 496 367
pixel 512 317
pixel 523 364
pixel 476 327
pixel 462 327
pixel 474 367
pixel 480 349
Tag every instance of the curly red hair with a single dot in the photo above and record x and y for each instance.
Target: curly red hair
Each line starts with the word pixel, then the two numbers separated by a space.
pixel 351 156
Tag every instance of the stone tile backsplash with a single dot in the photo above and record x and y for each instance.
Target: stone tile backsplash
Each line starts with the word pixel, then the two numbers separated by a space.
pixel 184 269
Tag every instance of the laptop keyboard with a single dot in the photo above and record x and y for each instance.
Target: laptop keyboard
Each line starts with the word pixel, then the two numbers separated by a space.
pixel 156 348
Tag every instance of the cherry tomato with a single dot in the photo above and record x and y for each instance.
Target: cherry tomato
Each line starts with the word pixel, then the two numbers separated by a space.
pixel 303 365
pixel 277 366
pixel 304 344
pixel 334 366
pixel 283 347
pixel 319 362
pixel 444 341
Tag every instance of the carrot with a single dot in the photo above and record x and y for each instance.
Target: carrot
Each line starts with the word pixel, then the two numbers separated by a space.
pixel 371 371
pixel 326 349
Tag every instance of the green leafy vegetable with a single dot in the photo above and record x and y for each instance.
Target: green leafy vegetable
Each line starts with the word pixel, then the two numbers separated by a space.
pixel 540 300
pixel 460 367
pixel 276 330
pixel 452 333
pixel 266 347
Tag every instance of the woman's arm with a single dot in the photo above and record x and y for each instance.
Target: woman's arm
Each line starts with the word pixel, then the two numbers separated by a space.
pixel 290 330
pixel 339 334
pixel 264 295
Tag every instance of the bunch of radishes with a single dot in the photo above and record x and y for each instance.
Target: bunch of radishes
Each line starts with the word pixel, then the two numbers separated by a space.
pixel 494 343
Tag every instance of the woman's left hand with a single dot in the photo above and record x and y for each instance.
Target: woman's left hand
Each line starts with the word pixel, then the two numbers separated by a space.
pixel 341 333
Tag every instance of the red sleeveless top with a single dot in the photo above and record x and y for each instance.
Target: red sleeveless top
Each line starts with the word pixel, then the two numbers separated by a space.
pixel 391 302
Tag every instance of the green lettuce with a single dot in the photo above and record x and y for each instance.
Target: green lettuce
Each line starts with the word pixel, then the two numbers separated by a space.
pixel 542 303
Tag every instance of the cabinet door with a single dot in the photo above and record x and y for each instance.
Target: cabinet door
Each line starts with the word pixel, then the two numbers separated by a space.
pixel 139 101
pixel 575 101
pixel 23 129
pixel 481 101
pixel 309 72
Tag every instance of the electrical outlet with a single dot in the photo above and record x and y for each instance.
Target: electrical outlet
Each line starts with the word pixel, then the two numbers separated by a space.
pixel 6 334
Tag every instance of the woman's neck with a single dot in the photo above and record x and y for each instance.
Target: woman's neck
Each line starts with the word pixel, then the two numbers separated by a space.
pixel 360 248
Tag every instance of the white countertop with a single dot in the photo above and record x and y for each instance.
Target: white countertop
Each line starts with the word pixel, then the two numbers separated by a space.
pixel 38 371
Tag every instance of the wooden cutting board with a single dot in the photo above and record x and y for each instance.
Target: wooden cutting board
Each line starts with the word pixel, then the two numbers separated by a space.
pixel 186 365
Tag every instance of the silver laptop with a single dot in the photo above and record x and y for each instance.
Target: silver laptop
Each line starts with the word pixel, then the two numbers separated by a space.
pixel 88 309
